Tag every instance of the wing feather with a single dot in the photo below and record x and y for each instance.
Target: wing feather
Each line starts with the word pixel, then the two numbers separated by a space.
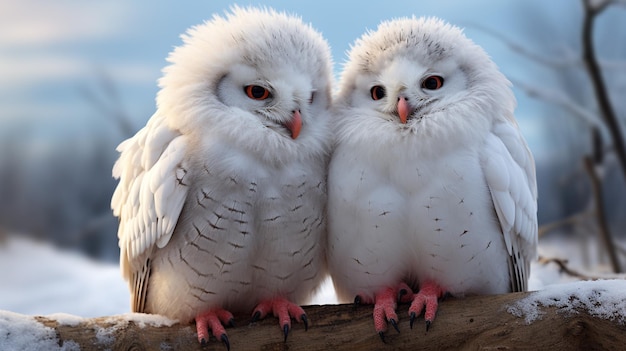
pixel 148 199
pixel 510 174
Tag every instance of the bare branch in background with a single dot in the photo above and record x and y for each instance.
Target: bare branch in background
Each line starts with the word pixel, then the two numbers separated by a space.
pixel 592 9
pixel 559 99
pixel 564 268
pixel 569 57
pixel 602 122
pixel 570 60
pixel 567 221
pixel 621 248
pixel 603 227
pixel 110 105
pixel 597 6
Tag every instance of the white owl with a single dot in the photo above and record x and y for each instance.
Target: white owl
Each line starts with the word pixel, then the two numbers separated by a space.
pixel 431 185
pixel 222 194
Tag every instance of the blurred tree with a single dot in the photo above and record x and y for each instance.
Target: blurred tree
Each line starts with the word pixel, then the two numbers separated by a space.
pixel 58 186
pixel 601 158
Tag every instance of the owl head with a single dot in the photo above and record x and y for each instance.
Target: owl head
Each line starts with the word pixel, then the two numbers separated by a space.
pixel 255 77
pixel 421 78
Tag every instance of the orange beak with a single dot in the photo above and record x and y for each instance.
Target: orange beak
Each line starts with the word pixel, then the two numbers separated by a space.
pixel 403 110
pixel 295 124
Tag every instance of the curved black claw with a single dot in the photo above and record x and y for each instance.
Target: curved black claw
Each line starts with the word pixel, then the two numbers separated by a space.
pixel 382 336
pixel 286 331
pixel 305 321
pixel 412 319
pixel 255 316
pixel 203 342
pixel 357 301
pixel 224 339
pixel 395 324
pixel 231 322
pixel 428 323
pixel 401 293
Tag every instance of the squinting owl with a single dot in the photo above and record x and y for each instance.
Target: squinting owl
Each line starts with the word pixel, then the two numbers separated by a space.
pixel 222 194
pixel 431 186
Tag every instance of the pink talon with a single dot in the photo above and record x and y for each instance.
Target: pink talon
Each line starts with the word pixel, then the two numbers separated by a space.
pixel 427 297
pixel 284 310
pixel 385 309
pixel 214 320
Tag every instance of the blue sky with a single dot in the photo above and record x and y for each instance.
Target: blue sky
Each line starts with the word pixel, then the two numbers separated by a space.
pixel 54 53
pixel 57 121
pixel 51 52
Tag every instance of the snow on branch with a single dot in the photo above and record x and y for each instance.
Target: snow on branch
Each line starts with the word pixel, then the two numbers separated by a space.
pixel 580 315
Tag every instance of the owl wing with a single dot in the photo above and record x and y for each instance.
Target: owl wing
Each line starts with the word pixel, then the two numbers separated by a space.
pixel 148 199
pixel 509 170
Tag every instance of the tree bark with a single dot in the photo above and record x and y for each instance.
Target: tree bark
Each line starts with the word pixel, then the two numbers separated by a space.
pixel 472 323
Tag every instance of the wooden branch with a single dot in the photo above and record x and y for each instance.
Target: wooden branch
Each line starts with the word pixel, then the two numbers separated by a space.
pixel 480 322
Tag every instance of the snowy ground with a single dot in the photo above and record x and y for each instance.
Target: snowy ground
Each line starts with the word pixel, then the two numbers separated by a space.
pixel 38 279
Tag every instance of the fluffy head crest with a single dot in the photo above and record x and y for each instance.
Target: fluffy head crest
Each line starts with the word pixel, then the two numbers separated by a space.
pixel 430 38
pixel 251 36
pixel 399 55
pixel 424 40
pixel 427 41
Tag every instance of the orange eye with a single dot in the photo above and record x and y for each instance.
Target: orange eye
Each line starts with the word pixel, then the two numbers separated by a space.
pixel 378 92
pixel 256 92
pixel 432 83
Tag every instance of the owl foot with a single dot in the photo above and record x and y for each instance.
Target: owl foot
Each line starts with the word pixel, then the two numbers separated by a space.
pixel 363 300
pixel 385 311
pixel 425 299
pixel 284 310
pixel 214 320
pixel 405 293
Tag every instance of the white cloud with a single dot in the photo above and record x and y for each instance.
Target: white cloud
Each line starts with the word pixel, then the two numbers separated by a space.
pixel 39 22
pixel 26 69
pixel 41 43
pixel 135 72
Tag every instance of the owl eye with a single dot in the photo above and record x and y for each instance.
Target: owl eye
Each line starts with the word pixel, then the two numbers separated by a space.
pixel 432 83
pixel 378 92
pixel 256 92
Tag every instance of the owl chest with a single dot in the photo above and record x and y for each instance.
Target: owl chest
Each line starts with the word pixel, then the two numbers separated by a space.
pixel 436 197
pixel 244 230
pixel 254 200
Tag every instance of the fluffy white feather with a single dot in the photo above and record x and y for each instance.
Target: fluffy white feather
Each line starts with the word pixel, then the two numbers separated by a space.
pixel 222 195
pixel 447 200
